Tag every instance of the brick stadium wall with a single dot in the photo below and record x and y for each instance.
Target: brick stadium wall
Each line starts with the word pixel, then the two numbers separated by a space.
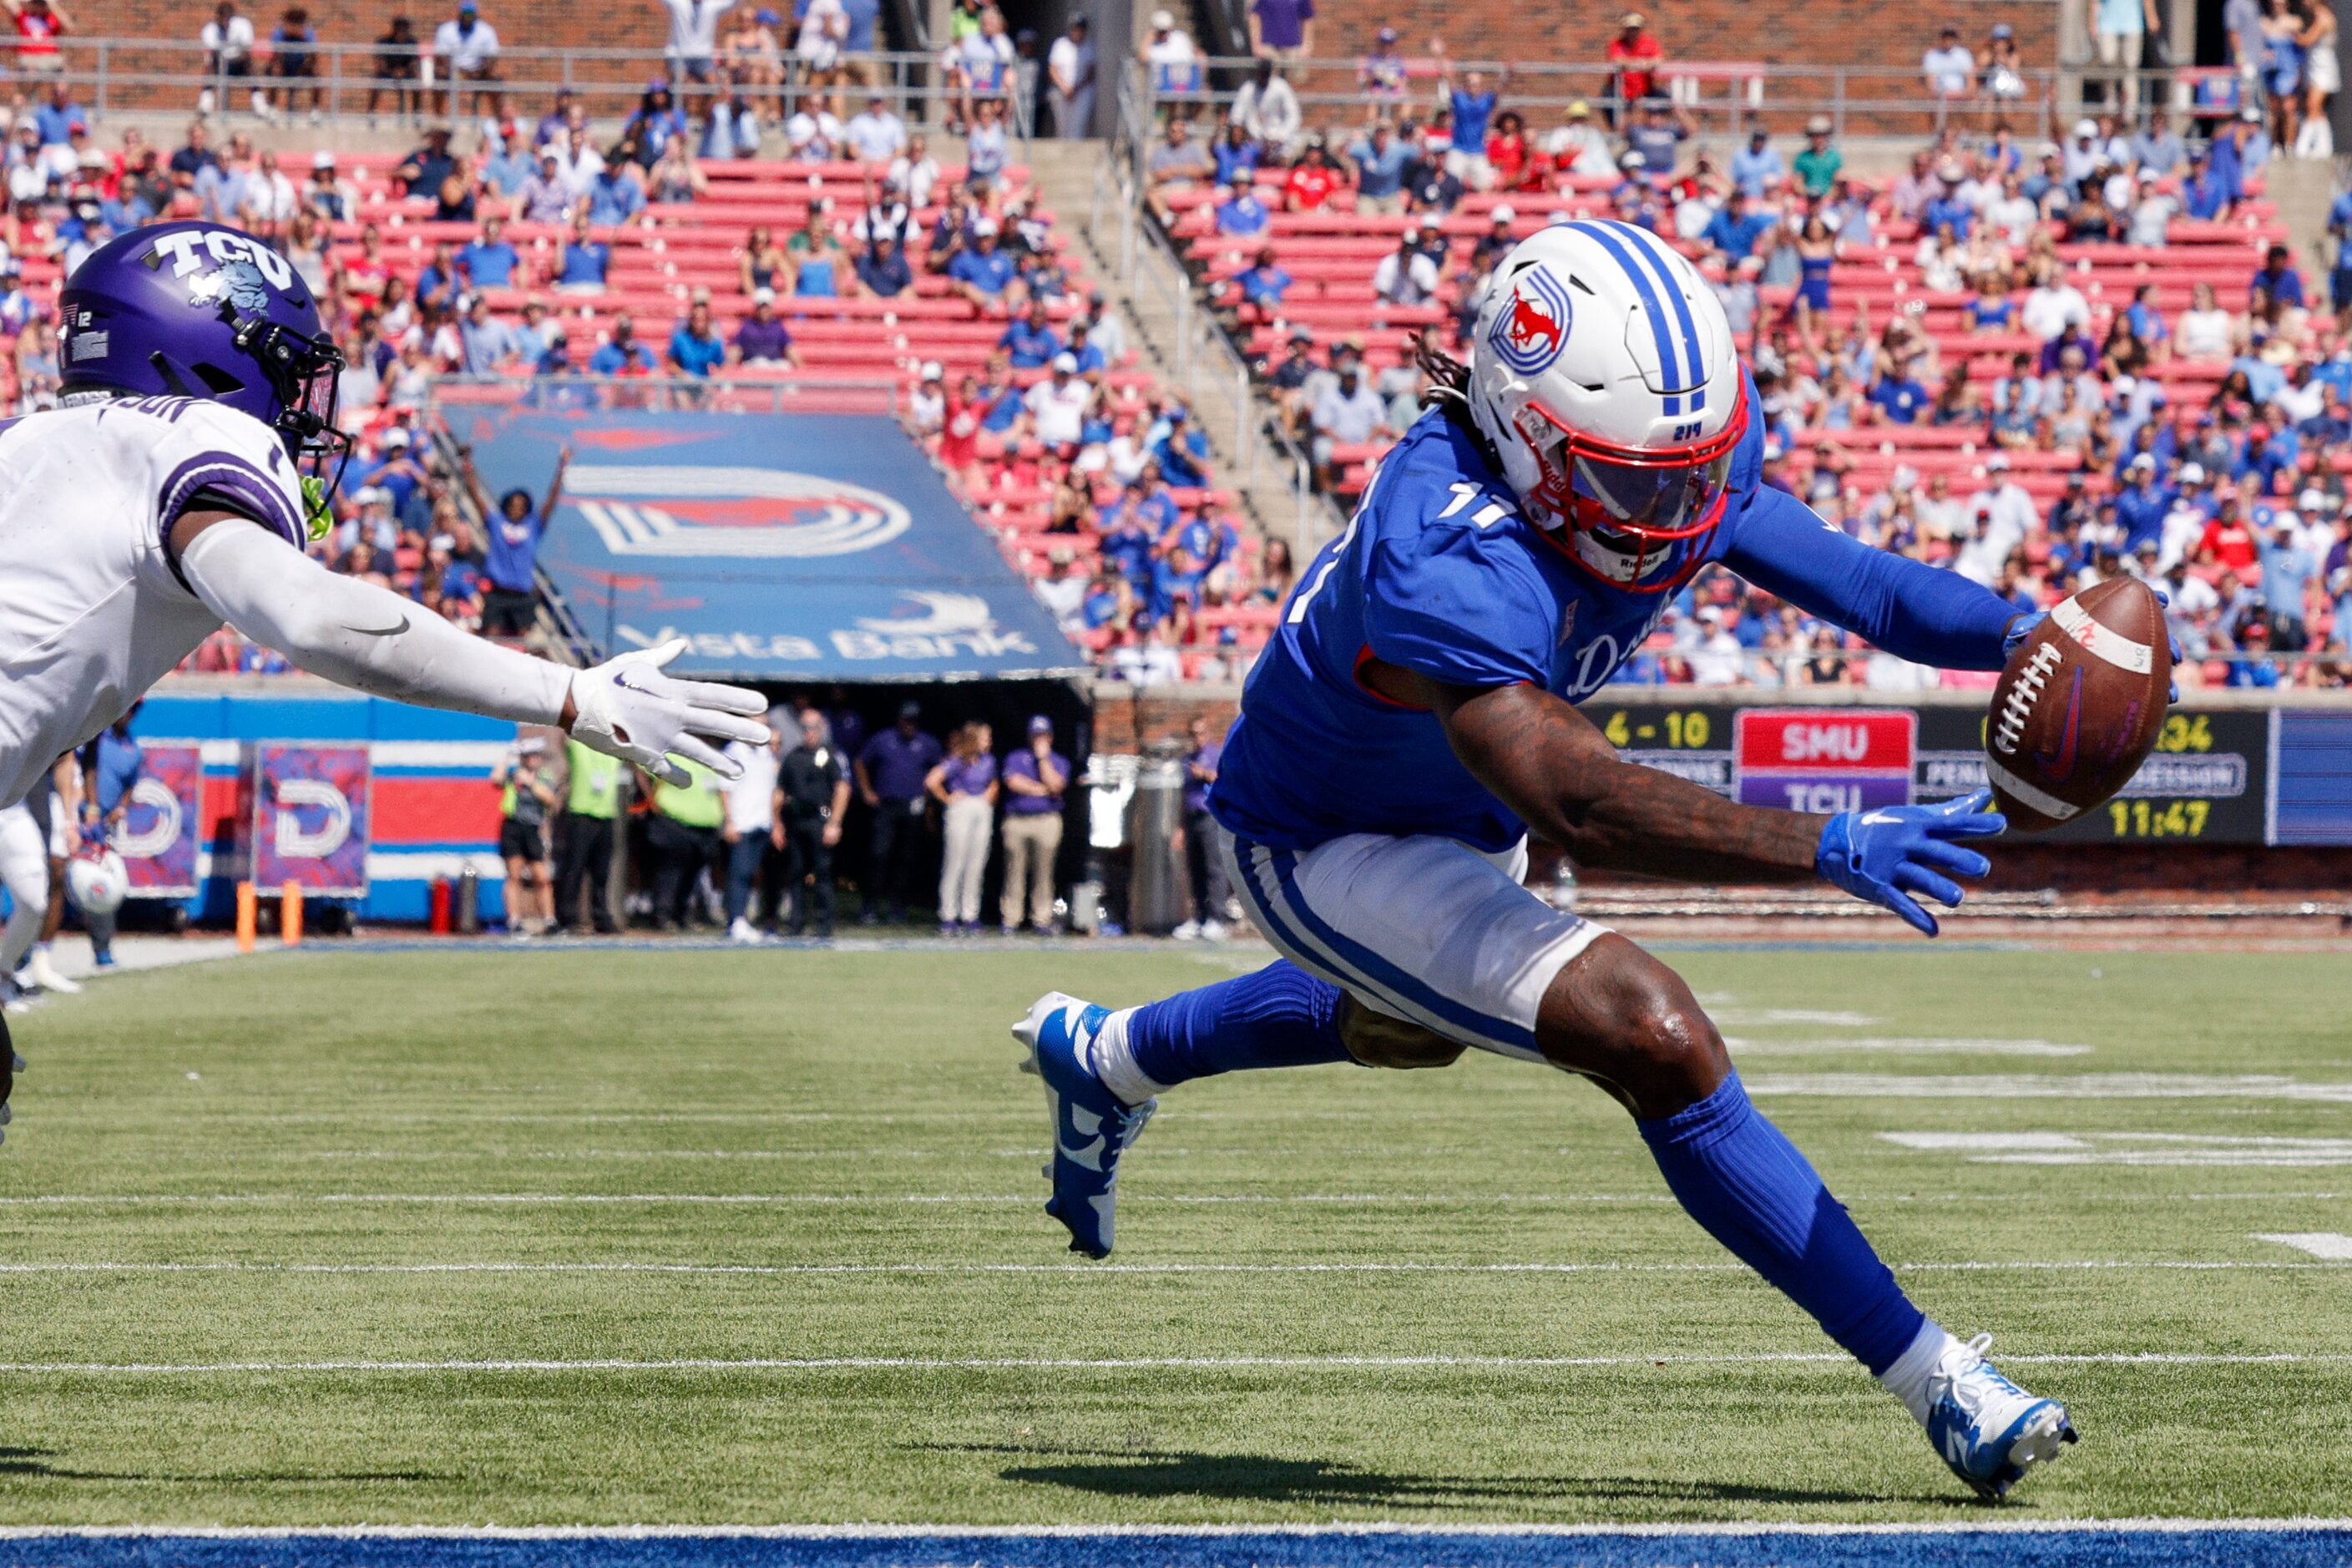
pixel 539 24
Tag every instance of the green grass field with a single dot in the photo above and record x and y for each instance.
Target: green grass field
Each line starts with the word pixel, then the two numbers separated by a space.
pixel 239 1178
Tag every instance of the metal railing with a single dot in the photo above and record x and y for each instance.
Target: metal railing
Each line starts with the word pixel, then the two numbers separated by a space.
pixel 1728 98
pixel 369 83
pixel 1201 350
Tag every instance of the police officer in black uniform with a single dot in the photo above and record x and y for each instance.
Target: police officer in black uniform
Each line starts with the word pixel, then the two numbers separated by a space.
pixel 811 795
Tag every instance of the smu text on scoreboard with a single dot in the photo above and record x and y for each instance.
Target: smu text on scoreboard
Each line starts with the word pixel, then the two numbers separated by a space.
pixel 1805 759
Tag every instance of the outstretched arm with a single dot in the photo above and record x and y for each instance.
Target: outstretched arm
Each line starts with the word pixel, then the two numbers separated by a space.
pixel 1912 610
pixel 373 640
pixel 1551 766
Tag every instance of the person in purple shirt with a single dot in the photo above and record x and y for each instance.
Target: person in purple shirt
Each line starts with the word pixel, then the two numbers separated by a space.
pixel 1035 778
pixel 964 784
pixel 1209 894
pixel 891 771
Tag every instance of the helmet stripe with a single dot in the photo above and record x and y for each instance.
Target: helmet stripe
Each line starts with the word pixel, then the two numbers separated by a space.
pixel 1634 269
pixel 1651 246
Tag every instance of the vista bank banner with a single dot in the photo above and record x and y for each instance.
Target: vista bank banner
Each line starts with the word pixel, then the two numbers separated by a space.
pixel 790 546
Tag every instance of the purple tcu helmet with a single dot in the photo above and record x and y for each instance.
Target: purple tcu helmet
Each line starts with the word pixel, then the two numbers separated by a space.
pixel 203 310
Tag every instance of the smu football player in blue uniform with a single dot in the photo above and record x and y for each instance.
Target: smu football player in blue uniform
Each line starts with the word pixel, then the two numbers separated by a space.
pixel 1413 719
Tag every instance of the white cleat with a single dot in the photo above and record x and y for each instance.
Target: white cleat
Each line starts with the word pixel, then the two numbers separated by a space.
pixel 1986 1428
pixel 40 970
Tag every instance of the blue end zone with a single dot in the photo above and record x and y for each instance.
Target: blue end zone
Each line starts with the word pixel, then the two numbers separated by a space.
pixel 2156 1546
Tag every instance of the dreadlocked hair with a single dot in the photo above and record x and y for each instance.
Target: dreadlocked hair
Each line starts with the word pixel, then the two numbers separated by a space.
pixel 1449 393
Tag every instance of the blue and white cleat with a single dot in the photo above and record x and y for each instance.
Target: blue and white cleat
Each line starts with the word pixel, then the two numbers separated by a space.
pixel 1989 1430
pixel 1092 1126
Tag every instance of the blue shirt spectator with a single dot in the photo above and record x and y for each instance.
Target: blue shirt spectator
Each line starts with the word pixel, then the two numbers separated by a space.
pixel 1233 157
pixel 2278 276
pixel 1900 398
pixel 1263 283
pixel 1381 163
pixel 58 121
pixel 987 270
pixel 1243 214
pixel 489 262
pixel 1473 112
pixel 1735 229
pixel 583 263
pixel 2140 507
pixel 1031 341
pixel 613 197
pixel 621 355
pixel 863 15
pixel 513 550
pixel 694 347
pixel 1757 168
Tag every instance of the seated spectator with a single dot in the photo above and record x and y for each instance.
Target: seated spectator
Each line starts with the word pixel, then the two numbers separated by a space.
pixel 695 348
pixel 815 257
pixel 1030 340
pixel 762 338
pixel 982 272
pixel 875 134
pixel 487 345
pixel 1406 276
pixel 1235 155
pixel 734 126
pixel 675 177
pixel 1179 163
pixel 1732 232
pixel 622 354
pixel 1263 282
pixel 2278 279
pixel 1312 182
pixel 581 265
pixel 882 270
pixel 2204 330
pixel 915 172
pixel 1266 108
pixel 615 194
pixel 1240 214
pixel 1898 398
pixel 1181 451
pixel 1757 170
pixel 1350 413
pixel 986 149
pixel 489 262
pixel 547 197
pixel 2054 304
pixel 814 134
pixel 761 261
pixel 655 122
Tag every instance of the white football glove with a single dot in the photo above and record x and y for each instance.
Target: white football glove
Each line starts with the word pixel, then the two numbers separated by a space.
pixel 627 708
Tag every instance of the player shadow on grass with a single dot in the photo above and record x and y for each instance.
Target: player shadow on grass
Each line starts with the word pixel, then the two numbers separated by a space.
pixel 1147 1473
pixel 34 1462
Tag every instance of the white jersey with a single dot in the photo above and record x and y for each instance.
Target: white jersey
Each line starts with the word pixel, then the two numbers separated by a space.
pixel 96 611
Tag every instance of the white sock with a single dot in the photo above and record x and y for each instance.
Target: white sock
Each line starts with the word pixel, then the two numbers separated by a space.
pixel 1113 1063
pixel 1908 1378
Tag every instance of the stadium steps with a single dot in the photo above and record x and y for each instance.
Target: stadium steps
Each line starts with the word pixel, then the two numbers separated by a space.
pixel 1064 173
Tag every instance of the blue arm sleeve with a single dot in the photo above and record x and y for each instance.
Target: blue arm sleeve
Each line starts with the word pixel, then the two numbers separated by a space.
pixel 1912 610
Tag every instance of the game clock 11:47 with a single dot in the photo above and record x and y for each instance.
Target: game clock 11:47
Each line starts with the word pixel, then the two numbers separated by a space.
pixel 2202 783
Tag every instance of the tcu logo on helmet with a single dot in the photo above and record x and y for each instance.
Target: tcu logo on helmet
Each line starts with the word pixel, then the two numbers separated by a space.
pixel 1530 329
pixel 242 272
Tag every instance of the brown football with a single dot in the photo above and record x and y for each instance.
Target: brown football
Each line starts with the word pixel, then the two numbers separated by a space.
pixel 2079 706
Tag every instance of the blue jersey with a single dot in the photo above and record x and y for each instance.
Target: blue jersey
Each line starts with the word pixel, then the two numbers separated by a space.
pixel 1439 573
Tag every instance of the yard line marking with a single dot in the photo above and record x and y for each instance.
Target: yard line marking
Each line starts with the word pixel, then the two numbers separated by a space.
pixel 1136 1363
pixel 1750 1017
pixel 2329 1244
pixel 2142 1149
pixel 1902 1045
pixel 2191 1265
pixel 2043 1086
pixel 1369 1200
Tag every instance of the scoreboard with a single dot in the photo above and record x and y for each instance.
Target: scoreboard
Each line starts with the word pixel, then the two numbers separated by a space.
pixel 2218 776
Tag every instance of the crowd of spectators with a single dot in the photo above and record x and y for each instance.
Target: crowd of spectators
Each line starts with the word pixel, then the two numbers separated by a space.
pixel 2222 484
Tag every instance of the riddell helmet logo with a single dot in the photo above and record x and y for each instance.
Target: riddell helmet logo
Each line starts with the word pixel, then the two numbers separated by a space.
pixel 1531 329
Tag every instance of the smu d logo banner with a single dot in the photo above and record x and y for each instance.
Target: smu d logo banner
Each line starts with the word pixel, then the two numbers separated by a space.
pixel 157 838
pixel 310 817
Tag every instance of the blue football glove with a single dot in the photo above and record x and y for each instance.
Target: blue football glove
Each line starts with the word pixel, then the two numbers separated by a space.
pixel 1884 856
pixel 2022 627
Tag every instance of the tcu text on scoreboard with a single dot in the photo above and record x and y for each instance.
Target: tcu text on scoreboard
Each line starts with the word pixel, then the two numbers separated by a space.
pixel 1818 760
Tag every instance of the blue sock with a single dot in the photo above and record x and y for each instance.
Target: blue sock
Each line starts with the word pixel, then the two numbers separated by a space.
pixel 1280 1017
pixel 1747 1186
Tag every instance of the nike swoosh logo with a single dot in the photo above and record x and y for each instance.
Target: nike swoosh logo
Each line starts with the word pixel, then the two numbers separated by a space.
pixel 381 631
pixel 2059 768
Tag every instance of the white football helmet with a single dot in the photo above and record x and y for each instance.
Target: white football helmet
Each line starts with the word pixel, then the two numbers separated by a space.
pixel 98 882
pixel 1604 372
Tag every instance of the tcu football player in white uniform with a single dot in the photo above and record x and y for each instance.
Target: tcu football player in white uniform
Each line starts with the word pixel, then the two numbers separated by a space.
pixel 174 491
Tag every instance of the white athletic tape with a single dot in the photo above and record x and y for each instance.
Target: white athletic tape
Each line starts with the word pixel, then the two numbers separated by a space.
pixel 2102 641
pixel 2043 801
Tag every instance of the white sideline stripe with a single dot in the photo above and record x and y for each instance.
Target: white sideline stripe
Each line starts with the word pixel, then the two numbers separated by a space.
pixel 1734 1529
pixel 2143 1149
pixel 1898 1044
pixel 2190 1265
pixel 1139 1364
pixel 134 1200
pixel 2050 1086
pixel 2326 1244
pixel 2043 801
pixel 2101 639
